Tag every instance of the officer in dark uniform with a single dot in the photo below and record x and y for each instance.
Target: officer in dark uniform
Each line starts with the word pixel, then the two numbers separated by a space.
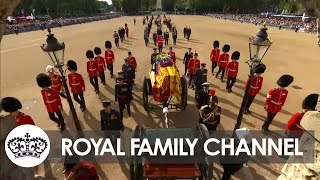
pixel 123 95
pixel 116 38
pixel 154 56
pixel 128 73
pixel 174 36
pixel 210 115
pixel 201 76
pixel 154 36
pixel 146 38
pixel 120 75
pixel 187 56
pixel 202 96
pixel 111 121
pixel 166 38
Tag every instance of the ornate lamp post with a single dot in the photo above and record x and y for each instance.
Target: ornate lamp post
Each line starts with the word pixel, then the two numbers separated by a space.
pixel 258 47
pixel 55 51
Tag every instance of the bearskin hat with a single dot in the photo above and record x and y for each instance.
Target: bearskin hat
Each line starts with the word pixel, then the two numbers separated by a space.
pixel 310 102
pixel 216 44
pixel 125 25
pixel 89 54
pixel 108 45
pixel 260 68
pixel 43 80
pixel 97 50
pixel 10 104
pixel 70 162
pixel 285 80
pixel 72 65
pixel 226 48
pixel 235 55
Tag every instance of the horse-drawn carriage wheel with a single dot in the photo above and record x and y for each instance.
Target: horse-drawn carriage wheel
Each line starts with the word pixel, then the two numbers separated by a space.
pixel 136 169
pixel 207 162
pixel 145 94
pixel 184 94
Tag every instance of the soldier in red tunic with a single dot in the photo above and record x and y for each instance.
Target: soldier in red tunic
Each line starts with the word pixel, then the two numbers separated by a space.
pixel 309 104
pixel 76 84
pixel 214 55
pixel 276 99
pixel 51 99
pixel 126 29
pixel 92 69
pixel 76 169
pixel 232 70
pixel 101 64
pixel 255 86
pixel 109 56
pixel 56 82
pixel 12 106
pixel 160 43
pixel 172 54
pixel 193 65
pixel 132 61
pixel 223 61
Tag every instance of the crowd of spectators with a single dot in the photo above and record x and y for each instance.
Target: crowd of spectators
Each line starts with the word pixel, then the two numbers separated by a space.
pixel 34 25
pixel 294 23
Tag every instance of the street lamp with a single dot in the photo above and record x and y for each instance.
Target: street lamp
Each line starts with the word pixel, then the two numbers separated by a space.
pixel 55 51
pixel 258 47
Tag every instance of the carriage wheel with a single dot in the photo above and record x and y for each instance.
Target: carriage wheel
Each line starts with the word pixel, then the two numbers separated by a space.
pixel 145 94
pixel 184 94
pixel 207 163
pixel 136 169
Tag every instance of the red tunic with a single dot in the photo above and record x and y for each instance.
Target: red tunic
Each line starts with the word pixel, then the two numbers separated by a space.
pixel 256 85
pixel 193 65
pixel 101 63
pixel 133 62
pixel 23 119
pixel 76 83
pixel 160 40
pixel 84 171
pixel 56 83
pixel 173 56
pixel 275 100
pixel 292 127
pixel 51 99
pixel 92 68
pixel 232 69
pixel 109 56
pixel 223 60
pixel 214 55
pixel 127 30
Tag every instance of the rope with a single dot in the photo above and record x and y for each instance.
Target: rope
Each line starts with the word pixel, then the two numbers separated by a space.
pixel 207 117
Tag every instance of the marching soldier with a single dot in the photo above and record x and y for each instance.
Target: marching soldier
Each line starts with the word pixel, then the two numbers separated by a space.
pixel 134 21
pixel 203 96
pixel 92 69
pixel 255 86
pixel 133 62
pixel 275 100
pixel 120 34
pixel 123 95
pixel 154 36
pixel 210 115
pixel 174 36
pixel 172 54
pixel 146 38
pixel 120 76
pixel 160 43
pixel 51 99
pixel 188 33
pixel 232 70
pixel 116 38
pixel 187 56
pixel 143 21
pixel 101 65
pixel 201 76
pixel 193 65
pixel 223 61
pixel 77 169
pixel 166 38
pixel 56 82
pixel 214 55
pixel 154 56
pixel 128 72
pixel 185 32
pixel 12 106
pixel 126 30
pixel 76 84
pixel 109 57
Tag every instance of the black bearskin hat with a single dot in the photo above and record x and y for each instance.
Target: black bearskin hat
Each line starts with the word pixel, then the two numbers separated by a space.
pixel 310 102
pixel 216 44
pixel 285 80
pixel 260 68
pixel 72 65
pixel 108 45
pixel 43 80
pixel 70 162
pixel 10 104
pixel 235 55
pixel 89 54
pixel 97 50
pixel 125 25
pixel 226 48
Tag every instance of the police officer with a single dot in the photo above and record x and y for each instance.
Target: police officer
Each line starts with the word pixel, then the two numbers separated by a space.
pixel 187 56
pixel 77 169
pixel 166 38
pixel 123 95
pixel 210 114
pixel 154 56
pixel 202 96
pixel 116 38
pixel 201 76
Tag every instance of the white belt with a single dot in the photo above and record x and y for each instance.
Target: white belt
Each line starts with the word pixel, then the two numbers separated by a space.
pixel 75 84
pixel 92 69
pixel 276 103
pixel 254 87
pixel 231 70
pixel 51 101
pixel 55 85
pixel 223 61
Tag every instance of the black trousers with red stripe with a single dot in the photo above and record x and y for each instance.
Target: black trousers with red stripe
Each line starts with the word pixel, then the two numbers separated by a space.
pixel 268 121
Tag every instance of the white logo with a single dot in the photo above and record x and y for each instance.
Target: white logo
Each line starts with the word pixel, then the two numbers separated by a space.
pixel 27 146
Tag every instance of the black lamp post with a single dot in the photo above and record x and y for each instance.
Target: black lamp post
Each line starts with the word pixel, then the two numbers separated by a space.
pixel 258 46
pixel 55 51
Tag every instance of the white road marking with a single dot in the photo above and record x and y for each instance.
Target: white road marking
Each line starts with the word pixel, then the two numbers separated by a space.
pixel 18 48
